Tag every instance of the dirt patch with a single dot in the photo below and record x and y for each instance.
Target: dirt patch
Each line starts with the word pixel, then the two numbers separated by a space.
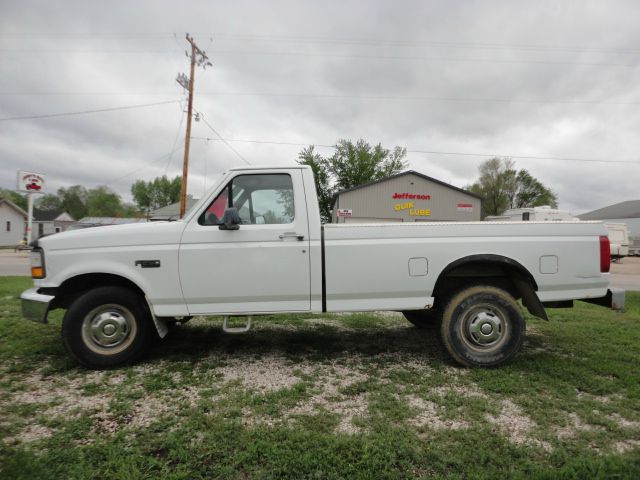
pixel 327 398
pixel 574 426
pixel 597 398
pixel 626 446
pixel 265 374
pixel 31 433
pixel 623 422
pixel 465 391
pixel 516 426
pixel 429 415
pixel 325 322
pixel 65 393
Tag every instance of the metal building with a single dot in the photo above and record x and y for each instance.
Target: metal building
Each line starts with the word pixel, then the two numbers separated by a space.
pixel 406 197
pixel 624 212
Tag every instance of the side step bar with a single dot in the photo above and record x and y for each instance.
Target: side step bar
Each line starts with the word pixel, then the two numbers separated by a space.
pixel 227 329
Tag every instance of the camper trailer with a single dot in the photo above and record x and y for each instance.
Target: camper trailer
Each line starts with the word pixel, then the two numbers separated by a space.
pixel 533 214
pixel 618 240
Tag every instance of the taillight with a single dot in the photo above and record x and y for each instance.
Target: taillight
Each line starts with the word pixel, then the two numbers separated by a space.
pixel 605 254
pixel 37 263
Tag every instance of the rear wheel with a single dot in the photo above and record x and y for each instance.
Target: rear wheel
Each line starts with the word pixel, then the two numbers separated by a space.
pixel 107 327
pixel 482 326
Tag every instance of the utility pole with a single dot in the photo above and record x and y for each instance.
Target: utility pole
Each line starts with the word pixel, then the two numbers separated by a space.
pixel 200 58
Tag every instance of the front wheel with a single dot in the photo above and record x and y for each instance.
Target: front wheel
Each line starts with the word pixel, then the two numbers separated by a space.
pixel 107 327
pixel 482 326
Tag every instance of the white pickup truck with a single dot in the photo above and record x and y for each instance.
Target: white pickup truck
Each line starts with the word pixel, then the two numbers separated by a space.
pixel 255 245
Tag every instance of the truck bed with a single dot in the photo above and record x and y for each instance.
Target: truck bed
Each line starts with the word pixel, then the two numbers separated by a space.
pixel 396 265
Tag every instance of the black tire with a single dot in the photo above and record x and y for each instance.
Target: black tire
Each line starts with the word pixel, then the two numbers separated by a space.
pixel 424 319
pixel 107 327
pixel 482 326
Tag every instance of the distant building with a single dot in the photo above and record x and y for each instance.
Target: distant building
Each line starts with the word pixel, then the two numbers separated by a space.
pixel 47 222
pixel 13 223
pixel 171 212
pixel 624 212
pixel 406 197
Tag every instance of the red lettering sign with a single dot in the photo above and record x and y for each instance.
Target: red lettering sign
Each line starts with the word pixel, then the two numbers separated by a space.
pixel 410 196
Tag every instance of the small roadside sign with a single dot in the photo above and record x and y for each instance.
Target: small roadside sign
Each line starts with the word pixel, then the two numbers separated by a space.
pixel 30 182
pixel 345 212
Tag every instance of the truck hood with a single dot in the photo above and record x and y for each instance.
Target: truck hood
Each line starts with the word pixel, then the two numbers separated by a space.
pixel 151 233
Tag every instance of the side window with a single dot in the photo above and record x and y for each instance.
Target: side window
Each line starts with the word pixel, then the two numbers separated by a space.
pixel 260 199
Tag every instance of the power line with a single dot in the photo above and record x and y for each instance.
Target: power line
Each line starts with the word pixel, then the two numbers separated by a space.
pixel 344 97
pixel 421 58
pixel 223 140
pixel 379 42
pixel 431 152
pixel 416 98
pixel 329 55
pixel 424 43
pixel 85 112
pixel 163 157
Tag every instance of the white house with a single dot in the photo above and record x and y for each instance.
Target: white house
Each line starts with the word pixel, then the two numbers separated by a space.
pixel 13 223
pixel 47 222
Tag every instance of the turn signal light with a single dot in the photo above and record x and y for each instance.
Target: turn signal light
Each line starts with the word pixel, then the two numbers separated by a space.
pixel 37 272
pixel 37 264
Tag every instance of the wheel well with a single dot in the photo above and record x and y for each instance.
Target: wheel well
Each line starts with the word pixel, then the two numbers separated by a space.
pixel 491 270
pixel 73 287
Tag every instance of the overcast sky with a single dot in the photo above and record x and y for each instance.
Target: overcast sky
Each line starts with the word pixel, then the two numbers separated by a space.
pixel 525 79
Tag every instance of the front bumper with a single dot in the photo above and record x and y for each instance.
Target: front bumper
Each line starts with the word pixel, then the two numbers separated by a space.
pixel 35 306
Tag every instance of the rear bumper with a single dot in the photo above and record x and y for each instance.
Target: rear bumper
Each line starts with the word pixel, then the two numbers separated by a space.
pixel 614 299
pixel 35 306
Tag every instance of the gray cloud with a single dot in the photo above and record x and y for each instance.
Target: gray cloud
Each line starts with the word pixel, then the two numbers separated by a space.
pixel 546 79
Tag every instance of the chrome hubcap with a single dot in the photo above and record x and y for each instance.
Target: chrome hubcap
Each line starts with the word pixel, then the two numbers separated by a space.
pixel 484 326
pixel 108 329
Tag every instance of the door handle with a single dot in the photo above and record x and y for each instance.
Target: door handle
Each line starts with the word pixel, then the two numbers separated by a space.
pixel 284 235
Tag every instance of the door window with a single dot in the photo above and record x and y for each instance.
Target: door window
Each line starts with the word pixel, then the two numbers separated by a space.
pixel 260 199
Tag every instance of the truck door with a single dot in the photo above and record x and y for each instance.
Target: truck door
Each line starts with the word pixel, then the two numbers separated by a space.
pixel 263 266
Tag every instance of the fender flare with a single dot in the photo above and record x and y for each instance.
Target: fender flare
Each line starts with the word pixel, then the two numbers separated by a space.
pixel 524 281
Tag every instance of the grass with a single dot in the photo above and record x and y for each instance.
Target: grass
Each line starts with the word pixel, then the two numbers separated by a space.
pixel 324 396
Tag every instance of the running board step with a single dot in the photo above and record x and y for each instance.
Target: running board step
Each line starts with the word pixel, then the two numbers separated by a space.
pixel 227 329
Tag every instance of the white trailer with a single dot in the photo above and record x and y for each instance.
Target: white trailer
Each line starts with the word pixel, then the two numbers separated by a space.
pixel 618 240
pixel 533 214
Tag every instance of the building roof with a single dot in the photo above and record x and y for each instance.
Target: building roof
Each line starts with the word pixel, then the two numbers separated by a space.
pixel 14 206
pixel 628 209
pixel 45 215
pixel 410 172
pixel 171 210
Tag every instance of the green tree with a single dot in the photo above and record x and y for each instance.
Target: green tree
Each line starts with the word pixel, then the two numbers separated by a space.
pixel 14 197
pixel 157 193
pixel 49 201
pixel 74 200
pixel 502 187
pixel 102 202
pixel 352 164
pixel 319 165
pixel 356 164
pixel 530 192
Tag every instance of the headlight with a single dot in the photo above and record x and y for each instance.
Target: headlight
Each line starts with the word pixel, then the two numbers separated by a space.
pixel 37 263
